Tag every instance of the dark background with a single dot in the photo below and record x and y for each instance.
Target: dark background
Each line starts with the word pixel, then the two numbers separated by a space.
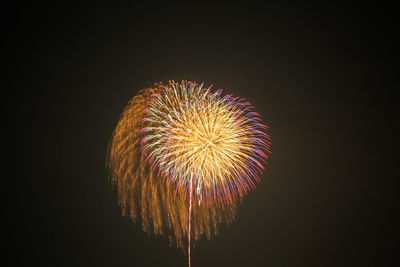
pixel 321 76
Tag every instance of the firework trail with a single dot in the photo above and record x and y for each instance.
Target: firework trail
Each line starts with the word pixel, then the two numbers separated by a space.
pixel 183 156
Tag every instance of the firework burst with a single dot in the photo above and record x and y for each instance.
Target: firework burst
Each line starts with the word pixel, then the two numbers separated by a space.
pixel 182 156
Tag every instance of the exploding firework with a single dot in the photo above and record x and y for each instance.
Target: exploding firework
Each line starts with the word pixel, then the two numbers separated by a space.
pixel 183 156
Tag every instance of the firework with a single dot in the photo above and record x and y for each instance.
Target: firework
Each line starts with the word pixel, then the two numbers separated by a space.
pixel 182 156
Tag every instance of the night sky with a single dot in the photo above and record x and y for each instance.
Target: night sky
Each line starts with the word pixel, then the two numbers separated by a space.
pixel 322 77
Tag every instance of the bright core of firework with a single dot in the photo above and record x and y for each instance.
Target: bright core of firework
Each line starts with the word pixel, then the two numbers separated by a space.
pixel 218 141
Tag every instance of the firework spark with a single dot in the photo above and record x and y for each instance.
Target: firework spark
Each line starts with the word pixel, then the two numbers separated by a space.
pixel 181 143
